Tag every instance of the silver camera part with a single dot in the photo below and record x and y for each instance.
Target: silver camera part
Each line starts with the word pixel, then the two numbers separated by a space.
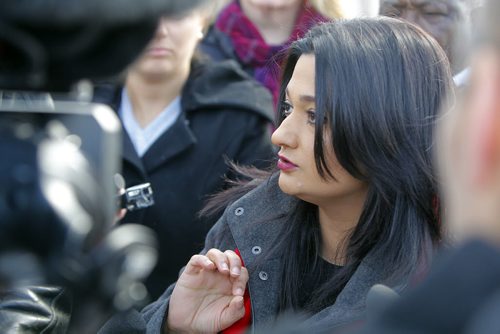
pixel 138 197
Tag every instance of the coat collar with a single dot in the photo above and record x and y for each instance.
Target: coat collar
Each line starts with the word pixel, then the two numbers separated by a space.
pixel 174 141
pixel 258 217
pixel 129 153
pixel 177 139
pixel 256 220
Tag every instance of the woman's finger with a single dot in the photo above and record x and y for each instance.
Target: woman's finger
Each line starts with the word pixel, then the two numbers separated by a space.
pixel 220 260
pixel 197 263
pixel 240 282
pixel 234 263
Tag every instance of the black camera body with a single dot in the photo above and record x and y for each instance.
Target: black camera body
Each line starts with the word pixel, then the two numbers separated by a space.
pixel 78 149
pixel 57 208
pixel 59 158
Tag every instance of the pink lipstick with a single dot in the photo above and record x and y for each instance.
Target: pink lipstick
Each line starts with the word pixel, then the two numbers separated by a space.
pixel 159 52
pixel 285 165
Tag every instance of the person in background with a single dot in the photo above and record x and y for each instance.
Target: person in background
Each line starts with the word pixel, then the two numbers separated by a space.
pixel 183 117
pixel 448 21
pixel 254 32
pixel 352 203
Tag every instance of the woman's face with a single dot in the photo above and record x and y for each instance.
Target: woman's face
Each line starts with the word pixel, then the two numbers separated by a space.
pixel 295 137
pixel 172 47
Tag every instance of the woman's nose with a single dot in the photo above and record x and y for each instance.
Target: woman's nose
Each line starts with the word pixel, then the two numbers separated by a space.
pixel 161 29
pixel 284 134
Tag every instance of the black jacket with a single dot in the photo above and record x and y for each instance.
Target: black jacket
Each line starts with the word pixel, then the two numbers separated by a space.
pixel 219 47
pixel 225 114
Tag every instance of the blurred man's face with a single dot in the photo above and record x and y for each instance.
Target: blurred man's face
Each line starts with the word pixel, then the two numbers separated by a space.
pixel 446 20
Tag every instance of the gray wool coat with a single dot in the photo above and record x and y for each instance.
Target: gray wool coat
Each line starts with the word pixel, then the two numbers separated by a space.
pixel 251 225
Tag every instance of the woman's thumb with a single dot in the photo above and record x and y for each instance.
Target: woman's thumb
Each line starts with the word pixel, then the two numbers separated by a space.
pixel 234 312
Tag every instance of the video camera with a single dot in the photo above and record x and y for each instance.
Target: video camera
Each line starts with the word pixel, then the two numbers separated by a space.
pixel 59 153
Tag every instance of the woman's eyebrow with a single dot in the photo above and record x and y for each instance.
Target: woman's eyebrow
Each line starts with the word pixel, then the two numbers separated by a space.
pixel 307 98
pixel 302 98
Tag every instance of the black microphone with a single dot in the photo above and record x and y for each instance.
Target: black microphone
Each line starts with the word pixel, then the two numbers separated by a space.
pixel 378 299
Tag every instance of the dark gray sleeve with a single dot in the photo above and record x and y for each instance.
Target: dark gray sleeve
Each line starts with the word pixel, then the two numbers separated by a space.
pixel 152 318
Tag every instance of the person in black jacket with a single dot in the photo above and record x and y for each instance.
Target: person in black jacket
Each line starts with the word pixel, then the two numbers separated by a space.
pixel 184 119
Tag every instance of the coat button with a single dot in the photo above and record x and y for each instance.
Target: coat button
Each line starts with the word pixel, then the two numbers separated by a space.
pixel 263 276
pixel 239 211
pixel 256 250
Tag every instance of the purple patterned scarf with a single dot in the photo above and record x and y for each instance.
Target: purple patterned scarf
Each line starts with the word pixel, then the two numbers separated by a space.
pixel 251 48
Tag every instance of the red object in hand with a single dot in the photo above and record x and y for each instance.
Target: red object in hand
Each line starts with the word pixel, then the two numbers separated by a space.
pixel 241 326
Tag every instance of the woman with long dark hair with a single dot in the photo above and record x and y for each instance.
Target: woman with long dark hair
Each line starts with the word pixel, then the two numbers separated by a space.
pixel 354 201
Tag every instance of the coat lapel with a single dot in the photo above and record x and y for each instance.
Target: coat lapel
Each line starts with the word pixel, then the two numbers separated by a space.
pixel 174 141
pixel 129 153
pixel 111 95
pixel 256 220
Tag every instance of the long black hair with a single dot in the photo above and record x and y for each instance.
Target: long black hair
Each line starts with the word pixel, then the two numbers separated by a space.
pixel 379 85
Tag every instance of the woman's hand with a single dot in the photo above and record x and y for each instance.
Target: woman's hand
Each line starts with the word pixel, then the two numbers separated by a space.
pixel 208 297
pixel 120 187
pixel 119 215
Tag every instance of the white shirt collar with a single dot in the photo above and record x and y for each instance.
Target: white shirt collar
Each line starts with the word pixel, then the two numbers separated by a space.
pixel 143 138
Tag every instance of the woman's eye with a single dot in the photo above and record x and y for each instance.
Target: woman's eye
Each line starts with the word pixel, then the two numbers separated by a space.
pixel 434 11
pixel 311 116
pixel 286 108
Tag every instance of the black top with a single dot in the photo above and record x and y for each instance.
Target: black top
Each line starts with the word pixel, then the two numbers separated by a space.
pixel 313 279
